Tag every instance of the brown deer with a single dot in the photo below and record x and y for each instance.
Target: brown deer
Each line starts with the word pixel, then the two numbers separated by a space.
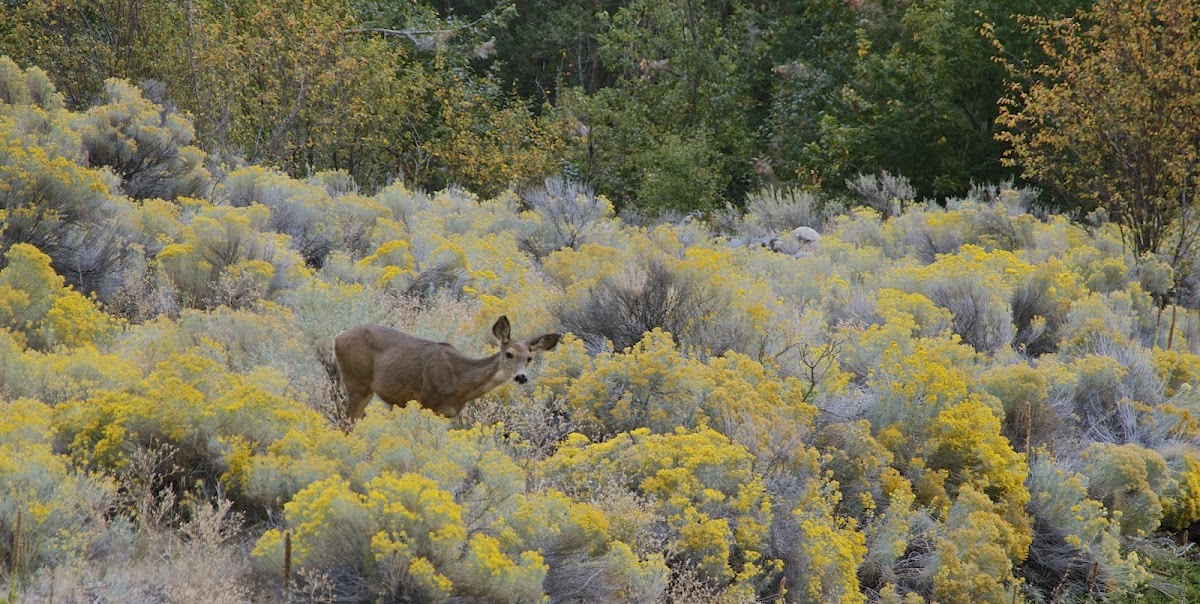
pixel 398 367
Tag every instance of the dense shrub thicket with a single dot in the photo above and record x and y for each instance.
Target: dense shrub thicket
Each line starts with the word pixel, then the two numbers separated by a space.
pixel 967 403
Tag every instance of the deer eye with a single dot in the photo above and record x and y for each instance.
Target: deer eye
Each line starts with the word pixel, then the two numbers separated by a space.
pixel 529 360
pixel 508 355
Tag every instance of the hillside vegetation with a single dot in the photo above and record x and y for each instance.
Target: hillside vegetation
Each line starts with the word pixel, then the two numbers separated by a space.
pixel 959 403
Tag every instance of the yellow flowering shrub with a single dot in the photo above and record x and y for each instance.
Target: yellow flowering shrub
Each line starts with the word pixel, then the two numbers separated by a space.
pixel 839 423
pixel 1093 389
pixel 709 499
pixel 1095 321
pixel 889 527
pixel 914 386
pixel 576 269
pixel 76 373
pixel 60 375
pixel 157 224
pixel 1128 479
pixel 965 439
pixel 857 463
pixel 830 549
pixel 36 303
pixel 1000 269
pixel 491 538
pixel 1089 533
pixel 38 108
pixel 330 526
pixel 1024 393
pixel 56 509
pixel 753 301
pixel 28 289
pixel 391 264
pixel 227 255
pixel 16 367
pixel 580 540
pixel 76 320
pixel 50 201
pixel 473 462
pixel 271 477
pixel 965 445
pixel 1181 497
pixel 402 526
pixel 912 309
pixel 189 402
pixel 1178 370
pixel 760 410
pixel 652 384
pixel 973 559
pixel 145 144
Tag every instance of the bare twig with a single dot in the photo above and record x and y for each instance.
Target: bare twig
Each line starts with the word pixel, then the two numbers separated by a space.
pixel 429 39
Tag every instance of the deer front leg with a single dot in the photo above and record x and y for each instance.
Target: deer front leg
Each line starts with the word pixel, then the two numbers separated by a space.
pixel 356 402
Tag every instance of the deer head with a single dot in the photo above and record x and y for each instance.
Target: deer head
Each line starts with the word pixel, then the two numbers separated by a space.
pixel 515 355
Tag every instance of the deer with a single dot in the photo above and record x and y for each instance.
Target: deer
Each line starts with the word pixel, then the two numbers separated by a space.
pixel 398 368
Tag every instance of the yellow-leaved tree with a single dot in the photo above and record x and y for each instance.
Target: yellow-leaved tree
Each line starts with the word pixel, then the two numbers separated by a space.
pixel 1109 120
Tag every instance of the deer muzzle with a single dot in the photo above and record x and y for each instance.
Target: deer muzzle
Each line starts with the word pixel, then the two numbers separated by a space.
pixel 520 378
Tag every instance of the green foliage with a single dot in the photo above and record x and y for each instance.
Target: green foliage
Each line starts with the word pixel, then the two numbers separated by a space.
pixel 1174 578
pixel 665 133
pixel 896 86
pixel 679 175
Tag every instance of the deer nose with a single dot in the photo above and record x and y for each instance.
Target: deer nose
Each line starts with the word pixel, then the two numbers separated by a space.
pixel 520 379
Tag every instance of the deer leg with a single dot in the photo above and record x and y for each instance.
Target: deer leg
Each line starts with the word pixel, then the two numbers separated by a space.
pixel 356 377
pixel 356 402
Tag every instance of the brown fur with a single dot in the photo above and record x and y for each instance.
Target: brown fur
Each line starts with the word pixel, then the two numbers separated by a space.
pixel 398 367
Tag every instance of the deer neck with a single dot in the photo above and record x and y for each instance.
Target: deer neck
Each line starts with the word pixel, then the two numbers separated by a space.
pixel 481 376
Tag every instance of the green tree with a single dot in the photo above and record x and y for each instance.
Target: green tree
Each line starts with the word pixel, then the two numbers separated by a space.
pixel 671 130
pixel 907 87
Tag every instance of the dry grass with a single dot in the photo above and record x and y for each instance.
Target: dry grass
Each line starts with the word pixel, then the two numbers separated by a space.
pixel 204 560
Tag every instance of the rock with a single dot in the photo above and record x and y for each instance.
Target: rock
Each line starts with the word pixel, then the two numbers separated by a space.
pixel 806 234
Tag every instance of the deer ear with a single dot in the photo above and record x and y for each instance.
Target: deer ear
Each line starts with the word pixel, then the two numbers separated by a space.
pixel 546 342
pixel 502 331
